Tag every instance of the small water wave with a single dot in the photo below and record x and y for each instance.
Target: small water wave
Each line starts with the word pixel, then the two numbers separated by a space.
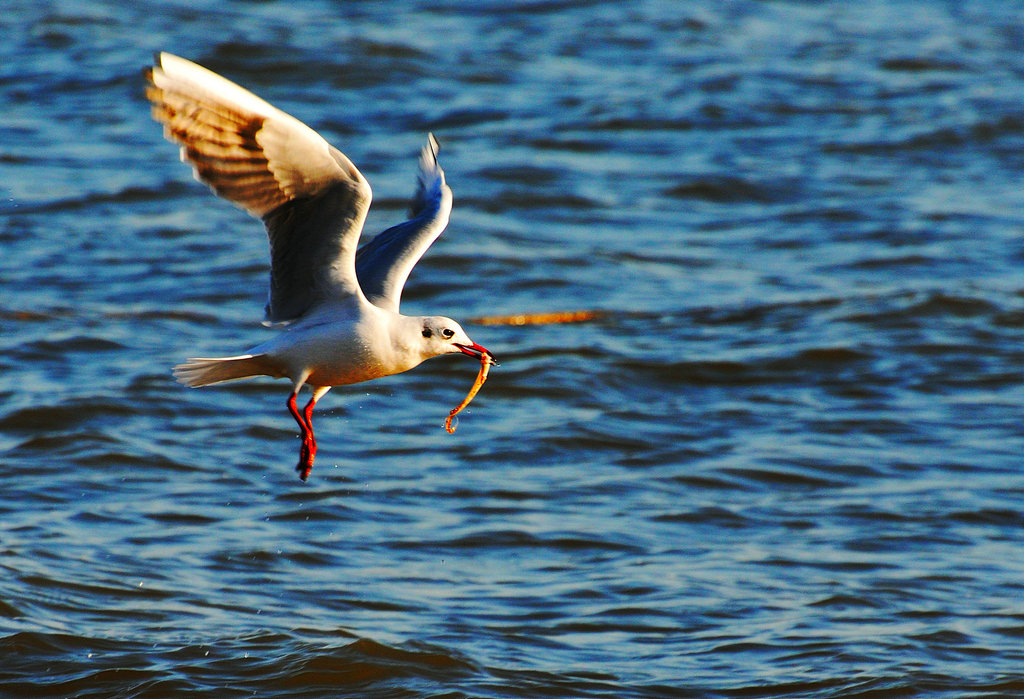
pixel 532 201
pixel 33 316
pixel 63 345
pixel 707 516
pixel 920 308
pixel 87 202
pixel 515 539
pixel 727 189
pixel 36 419
pixel 532 175
pixel 921 64
pixel 273 664
pixel 783 477
pixel 468 117
pixel 188 316
pixel 979 133
pixel 571 145
pixel 811 364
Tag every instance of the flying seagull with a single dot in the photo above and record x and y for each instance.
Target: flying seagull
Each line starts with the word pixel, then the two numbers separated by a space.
pixel 339 307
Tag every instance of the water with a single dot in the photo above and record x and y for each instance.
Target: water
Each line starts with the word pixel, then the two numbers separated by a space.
pixel 785 460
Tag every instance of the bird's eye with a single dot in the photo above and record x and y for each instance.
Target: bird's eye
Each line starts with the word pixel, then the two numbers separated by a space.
pixel 427 332
pixel 448 333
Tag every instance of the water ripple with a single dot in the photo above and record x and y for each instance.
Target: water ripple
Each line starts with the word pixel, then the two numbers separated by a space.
pixel 777 455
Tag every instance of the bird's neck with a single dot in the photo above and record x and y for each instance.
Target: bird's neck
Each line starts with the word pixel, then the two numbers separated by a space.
pixel 405 339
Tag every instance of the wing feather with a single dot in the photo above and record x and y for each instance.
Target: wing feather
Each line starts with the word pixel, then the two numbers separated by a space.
pixel 311 197
pixel 383 265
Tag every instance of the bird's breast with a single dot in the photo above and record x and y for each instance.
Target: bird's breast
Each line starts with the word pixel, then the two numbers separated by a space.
pixel 337 354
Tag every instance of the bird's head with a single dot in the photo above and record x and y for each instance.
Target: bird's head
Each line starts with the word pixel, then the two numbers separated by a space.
pixel 444 336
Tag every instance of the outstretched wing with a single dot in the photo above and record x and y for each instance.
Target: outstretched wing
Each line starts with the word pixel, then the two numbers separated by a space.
pixel 311 197
pixel 383 265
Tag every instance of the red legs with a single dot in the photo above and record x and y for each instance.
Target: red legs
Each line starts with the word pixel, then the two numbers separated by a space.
pixel 305 419
pixel 305 460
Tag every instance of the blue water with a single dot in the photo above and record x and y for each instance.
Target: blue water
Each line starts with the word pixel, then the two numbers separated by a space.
pixel 784 460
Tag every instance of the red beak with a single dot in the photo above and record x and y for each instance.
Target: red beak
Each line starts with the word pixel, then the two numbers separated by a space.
pixel 476 351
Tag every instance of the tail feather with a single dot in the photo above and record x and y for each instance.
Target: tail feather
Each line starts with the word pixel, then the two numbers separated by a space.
pixel 203 371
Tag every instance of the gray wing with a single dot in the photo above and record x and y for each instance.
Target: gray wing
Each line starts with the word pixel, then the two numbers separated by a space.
pixel 311 197
pixel 383 265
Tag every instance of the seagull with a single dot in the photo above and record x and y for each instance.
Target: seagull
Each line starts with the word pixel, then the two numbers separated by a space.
pixel 338 306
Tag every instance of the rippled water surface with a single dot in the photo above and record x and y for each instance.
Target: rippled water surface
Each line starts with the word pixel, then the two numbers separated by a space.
pixel 784 460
